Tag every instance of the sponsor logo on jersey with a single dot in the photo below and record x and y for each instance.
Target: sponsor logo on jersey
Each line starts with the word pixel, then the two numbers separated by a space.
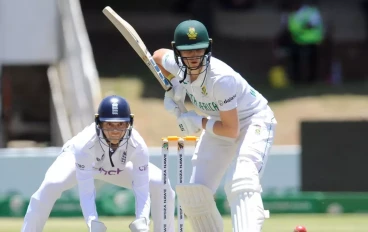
pixel 123 157
pixel 229 99
pixel 100 159
pixel 110 172
pixel 143 168
pixel 80 166
pixel 226 100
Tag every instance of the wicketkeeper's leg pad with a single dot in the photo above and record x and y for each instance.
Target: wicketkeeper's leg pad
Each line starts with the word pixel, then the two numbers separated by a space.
pixel 243 192
pixel 199 206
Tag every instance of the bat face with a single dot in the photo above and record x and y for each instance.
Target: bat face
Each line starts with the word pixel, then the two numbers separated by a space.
pixel 140 48
pixel 137 44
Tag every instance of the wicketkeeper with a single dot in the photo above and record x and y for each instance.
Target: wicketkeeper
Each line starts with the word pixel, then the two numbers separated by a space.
pixel 110 149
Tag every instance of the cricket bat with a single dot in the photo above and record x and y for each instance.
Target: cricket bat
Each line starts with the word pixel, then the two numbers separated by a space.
pixel 140 48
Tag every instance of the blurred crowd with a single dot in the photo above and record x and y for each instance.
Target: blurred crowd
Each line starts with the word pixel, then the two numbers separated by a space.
pixel 302 48
pixel 303 39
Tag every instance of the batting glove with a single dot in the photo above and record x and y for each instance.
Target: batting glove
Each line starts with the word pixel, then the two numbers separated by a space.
pixel 187 127
pixel 174 97
pixel 191 117
pixel 170 105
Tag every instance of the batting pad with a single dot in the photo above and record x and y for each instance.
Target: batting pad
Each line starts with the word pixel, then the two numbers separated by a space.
pixel 243 191
pixel 247 212
pixel 97 226
pixel 199 206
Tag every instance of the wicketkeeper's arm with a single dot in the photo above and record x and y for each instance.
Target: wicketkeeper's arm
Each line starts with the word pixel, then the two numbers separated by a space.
pixel 86 186
pixel 87 196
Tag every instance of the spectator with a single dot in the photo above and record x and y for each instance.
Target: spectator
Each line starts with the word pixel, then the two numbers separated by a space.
pixel 302 31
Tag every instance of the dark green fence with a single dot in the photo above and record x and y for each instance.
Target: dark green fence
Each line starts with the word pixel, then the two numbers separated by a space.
pixel 120 202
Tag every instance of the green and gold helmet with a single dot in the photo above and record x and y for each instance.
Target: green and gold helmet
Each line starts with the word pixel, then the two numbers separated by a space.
pixel 191 35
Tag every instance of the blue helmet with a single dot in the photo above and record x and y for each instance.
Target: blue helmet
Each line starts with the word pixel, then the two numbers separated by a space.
pixel 113 109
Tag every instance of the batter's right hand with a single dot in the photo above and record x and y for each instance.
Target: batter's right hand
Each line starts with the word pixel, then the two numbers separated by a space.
pixel 170 105
pixel 178 91
pixel 174 99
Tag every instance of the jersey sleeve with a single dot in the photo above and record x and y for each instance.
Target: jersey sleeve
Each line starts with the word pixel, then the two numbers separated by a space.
pixel 224 91
pixel 141 181
pixel 168 62
pixel 86 186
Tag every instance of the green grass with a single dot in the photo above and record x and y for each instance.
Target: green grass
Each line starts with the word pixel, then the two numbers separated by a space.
pixel 277 223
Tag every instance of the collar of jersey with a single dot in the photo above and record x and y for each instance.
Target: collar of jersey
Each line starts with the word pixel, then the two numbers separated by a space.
pixel 199 81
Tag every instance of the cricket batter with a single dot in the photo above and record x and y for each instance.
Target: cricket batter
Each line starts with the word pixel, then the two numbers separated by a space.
pixel 237 135
pixel 109 150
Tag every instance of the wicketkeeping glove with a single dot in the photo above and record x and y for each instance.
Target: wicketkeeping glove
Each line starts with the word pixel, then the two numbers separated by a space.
pixel 139 225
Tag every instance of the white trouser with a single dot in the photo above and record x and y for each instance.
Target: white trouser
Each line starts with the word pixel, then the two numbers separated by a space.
pixel 61 176
pixel 213 156
pixel 243 160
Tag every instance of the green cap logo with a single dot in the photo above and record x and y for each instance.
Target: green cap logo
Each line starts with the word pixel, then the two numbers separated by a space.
pixel 192 34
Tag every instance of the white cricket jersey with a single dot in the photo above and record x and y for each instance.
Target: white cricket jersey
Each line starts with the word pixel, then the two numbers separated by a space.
pixel 92 157
pixel 219 88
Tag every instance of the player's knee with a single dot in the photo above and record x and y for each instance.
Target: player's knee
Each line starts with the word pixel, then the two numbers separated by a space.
pixel 243 190
pixel 200 207
pixel 198 179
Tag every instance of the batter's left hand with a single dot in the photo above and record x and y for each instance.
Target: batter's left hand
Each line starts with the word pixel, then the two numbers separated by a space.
pixel 193 118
